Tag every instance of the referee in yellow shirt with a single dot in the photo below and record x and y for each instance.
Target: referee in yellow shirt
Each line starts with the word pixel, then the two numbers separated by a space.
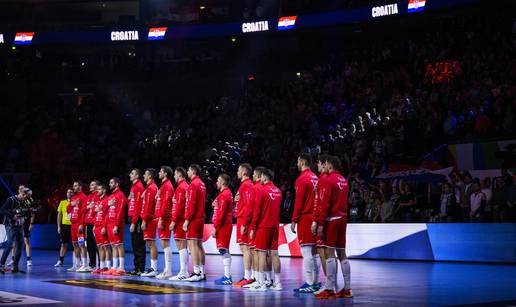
pixel 63 226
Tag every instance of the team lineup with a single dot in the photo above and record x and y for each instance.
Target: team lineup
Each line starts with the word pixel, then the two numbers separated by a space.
pixel 167 212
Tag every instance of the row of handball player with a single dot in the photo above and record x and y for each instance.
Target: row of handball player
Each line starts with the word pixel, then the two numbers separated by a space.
pixel 178 211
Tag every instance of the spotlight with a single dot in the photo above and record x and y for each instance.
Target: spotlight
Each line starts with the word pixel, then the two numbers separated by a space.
pixel 298 74
pixel 76 89
pixel 13 47
pixel 233 39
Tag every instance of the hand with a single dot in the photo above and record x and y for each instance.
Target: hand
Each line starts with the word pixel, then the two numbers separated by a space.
pixel 59 230
pixel 214 233
pixel 160 224
pixel 103 231
pixel 115 230
pixel 243 229
pixel 293 227
pixel 320 231
pixel 30 227
pixel 214 204
pixel 144 225
pixel 172 226
pixel 185 225
pixel 313 228
pixel 251 235
pixel 132 228
pixel 81 228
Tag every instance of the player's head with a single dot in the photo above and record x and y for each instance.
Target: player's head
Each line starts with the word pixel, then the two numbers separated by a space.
pixel 69 193
pixel 332 163
pixel 93 185
pixel 321 164
pixel 149 175
pixel 77 186
pixel 135 174
pixel 267 176
pixel 223 181
pixel 303 161
pixel 102 189
pixel 244 170
pixel 194 170
pixel 114 183
pixel 257 174
pixel 179 174
pixel 165 172
pixel 21 187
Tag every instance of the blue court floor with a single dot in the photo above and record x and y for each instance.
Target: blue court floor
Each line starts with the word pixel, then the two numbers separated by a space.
pixel 374 283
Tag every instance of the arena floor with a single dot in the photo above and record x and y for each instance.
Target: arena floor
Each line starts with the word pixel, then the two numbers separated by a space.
pixel 375 283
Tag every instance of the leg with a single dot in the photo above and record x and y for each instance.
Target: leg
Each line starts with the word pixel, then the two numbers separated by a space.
pixel 9 247
pixel 331 269
pixel 168 256
pixel 28 250
pixel 121 256
pixel 91 245
pixel 183 257
pixel 308 263
pixel 262 267
pixel 346 270
pixel 108 255
pixel 247 260
pixel 276 265
pixel 322 256
pixel 139 250
pixel 18 238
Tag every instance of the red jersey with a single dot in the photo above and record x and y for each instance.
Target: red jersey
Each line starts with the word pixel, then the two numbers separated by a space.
pixel 257 187
pixel 77 207
pixel 91 200
pixel 135 201
pixel 223 209
pixel 101 216
pixel 116 203
pixel 268 206
pixel 179 202
pixel 243 200
pixel 164 201
pixel 305 195
pixel 196 197
pixel 315 210
pixel 333 197
pixel 149 202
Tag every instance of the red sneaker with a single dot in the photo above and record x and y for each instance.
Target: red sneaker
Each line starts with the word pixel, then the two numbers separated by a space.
pixel 243 282
pixel 96 272
pixel 344 293
pixel 119 273
pixel 109 272
pixel 325 295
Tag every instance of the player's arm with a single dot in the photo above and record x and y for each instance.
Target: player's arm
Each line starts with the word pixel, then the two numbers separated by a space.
pixel 301 193
pixel 137 205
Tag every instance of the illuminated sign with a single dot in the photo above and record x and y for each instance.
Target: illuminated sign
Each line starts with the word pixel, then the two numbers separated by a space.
pixel 416 6
pixel 287 23
pixel 23 38
pixel 157 33
pixel 384 10
pixel 1 38
pixel 124 36
pixel 257 26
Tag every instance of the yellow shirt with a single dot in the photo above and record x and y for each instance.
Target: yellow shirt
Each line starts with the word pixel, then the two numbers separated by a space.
pixel 66 216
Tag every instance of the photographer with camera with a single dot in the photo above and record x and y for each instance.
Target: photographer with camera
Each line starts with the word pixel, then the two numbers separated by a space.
pixel 14 219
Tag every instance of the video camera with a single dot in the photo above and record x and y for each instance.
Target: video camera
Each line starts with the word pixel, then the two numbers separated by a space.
pixel 26 209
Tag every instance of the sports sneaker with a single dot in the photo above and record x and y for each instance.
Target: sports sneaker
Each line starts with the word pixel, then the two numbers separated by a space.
pixel 108 272
pixel 10 263
pixel 325 295
pixel 276 286
pixel 249 286
pixel 96 272
pixel 317 287
pixel 224 280
pixel 164 275
pixel 241 282
pixel 29 262
pixel 344 293
pixel 178 277
pixel 268 283
pixel 82 269
pixel 194 277
pixel 134 273
pixel 72 269
pixel 258 287
pixel 58 264
pixel 305 288
pixel 149 273
pixel 88 269
pixel 118 273
pixel 17 270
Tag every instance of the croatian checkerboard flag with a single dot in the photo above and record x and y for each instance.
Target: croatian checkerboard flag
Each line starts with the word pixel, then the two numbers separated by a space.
pixel 416 5
pixel 23 38
pixel 286 23
pixel 157 33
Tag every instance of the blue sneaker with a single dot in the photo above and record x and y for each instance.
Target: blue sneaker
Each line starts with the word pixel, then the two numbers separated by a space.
pixel 317 286
pixel 224 281
pixel 305 288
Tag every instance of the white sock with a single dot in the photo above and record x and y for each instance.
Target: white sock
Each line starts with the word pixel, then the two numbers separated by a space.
pixel 346 273
pixel 226 260
pixel 317 268
pixel 121 263
pixel 75 262
pixel 115 263
pixel 201 269
pixel 253 275
pixel 268 275
pixel 308 264
pixel 83 261
pixel 168 256
pixel 247 274
pixel 331 274
pixel 277 278
pixel 108 264
pixel 183 261
pixel 260 277
pixel 154 264
pixel 196 269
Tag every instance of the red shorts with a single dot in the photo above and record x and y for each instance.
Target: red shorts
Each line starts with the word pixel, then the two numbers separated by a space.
pixel 240 238
pixel 115 239
pixel 304 231
pixel 335 233
pixel 150 232
pixel 99 237
pixel 164 234
pixel 267 239
pixel 195 229
pixel 223 236
pixel 179 233
pixel 75 232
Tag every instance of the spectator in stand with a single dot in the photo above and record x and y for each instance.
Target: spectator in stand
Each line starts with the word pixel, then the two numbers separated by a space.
pixel 388 207
pixel 373 209
pixel 449 211
pixel 478 204
pixel 407 203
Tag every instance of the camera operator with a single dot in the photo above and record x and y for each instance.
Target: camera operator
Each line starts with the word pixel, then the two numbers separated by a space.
pixel 13 221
